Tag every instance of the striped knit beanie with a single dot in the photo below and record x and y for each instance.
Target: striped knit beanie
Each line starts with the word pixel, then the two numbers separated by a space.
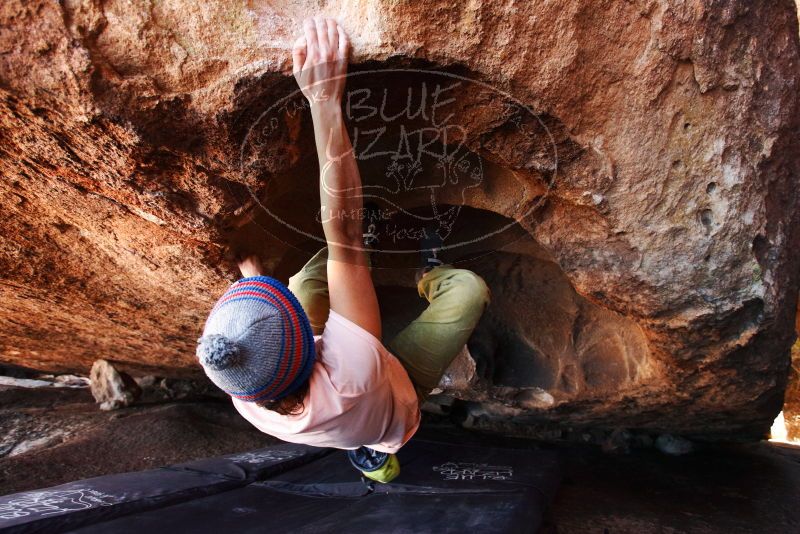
pixel 257 343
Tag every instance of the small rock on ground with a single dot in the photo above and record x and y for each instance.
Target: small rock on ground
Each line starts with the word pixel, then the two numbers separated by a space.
pixel 112 389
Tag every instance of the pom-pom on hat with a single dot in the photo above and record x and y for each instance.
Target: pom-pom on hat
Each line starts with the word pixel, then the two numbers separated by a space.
pixel 257 343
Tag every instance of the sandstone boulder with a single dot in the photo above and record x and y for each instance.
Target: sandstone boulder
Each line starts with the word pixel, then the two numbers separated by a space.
pixel 644 155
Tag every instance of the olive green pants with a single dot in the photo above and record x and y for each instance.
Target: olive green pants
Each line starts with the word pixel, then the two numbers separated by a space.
pixel 456 297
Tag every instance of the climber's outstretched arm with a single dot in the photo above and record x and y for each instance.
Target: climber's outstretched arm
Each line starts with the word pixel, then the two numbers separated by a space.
pixel 320 66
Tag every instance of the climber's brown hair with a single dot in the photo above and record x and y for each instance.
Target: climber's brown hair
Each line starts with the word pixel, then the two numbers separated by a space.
pixel 292 404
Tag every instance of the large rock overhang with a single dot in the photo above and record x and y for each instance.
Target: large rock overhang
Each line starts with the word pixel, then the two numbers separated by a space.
pixel 668 233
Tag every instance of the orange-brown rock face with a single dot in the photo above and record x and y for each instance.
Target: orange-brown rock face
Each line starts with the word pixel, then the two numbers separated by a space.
pixel 649 279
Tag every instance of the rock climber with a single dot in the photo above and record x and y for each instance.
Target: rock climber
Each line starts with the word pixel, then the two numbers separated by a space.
pixel 305 363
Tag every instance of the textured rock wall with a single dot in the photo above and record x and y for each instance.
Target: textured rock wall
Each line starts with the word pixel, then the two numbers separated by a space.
pixel 655 285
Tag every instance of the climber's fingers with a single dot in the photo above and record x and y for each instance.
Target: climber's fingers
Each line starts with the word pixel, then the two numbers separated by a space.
pixel 322 37
pixel 333 37
pixel 312 48
pixel 344 43
pixel 299 52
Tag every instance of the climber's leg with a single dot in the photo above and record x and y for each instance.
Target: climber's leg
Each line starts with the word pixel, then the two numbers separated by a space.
pixel 427 346
pixel 310 286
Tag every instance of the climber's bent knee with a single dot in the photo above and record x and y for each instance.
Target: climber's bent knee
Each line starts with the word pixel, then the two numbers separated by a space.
pixel 469 289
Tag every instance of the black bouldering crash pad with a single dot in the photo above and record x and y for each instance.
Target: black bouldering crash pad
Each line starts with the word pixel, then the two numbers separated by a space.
pixel 60 508
pixel 443 487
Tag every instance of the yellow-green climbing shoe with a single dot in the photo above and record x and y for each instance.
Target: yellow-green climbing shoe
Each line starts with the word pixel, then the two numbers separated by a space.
pixel 387 473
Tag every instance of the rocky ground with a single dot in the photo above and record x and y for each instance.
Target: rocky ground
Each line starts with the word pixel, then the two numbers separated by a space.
pixel 49 436
pixel 55 435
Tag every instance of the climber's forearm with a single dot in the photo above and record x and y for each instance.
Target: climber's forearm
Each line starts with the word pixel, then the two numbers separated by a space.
pixel 340 181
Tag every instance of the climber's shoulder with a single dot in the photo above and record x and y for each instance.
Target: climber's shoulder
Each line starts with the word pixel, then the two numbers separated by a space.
pixel 352 356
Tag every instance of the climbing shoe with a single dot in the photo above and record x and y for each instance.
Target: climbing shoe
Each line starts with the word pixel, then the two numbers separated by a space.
pixel 378 466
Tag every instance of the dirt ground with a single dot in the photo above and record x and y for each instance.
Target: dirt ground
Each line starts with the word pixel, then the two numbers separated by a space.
pixel 722 489
pixel 70 438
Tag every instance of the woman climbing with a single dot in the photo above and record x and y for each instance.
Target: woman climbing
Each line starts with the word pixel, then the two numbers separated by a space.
pixel 305 363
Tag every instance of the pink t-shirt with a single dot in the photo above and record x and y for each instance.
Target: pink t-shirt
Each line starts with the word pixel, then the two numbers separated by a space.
pixel 359 394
